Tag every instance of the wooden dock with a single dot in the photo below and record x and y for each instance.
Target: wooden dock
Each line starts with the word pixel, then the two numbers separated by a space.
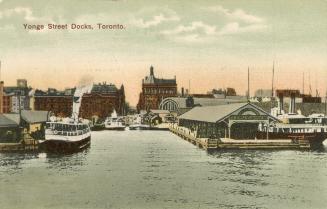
pixel 25 144
pixel 226 143
pixel 205 143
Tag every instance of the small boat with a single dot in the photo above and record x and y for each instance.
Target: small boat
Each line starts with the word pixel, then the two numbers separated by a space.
pixel 114 122
pixel 98 127
pixel 66 136
pixel 138 125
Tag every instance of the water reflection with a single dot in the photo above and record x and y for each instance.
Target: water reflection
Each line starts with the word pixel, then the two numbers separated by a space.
pixel 138 170
pixel 70 162
pixel 12 162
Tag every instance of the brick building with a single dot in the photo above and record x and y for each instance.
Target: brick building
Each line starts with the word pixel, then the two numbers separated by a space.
pixel 18 96
pixel 154 90
pixel 58 102
pixel 6 104
pixel 102 100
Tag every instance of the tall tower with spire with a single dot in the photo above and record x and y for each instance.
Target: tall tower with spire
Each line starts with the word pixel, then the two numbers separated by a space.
pixel 154 90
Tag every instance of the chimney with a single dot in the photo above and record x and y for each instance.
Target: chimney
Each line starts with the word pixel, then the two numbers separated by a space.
pixel 1 97
pixel 182 91
pixel 151 71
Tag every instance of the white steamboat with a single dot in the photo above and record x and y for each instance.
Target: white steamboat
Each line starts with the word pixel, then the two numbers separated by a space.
pixel 114 122
pixel 66 136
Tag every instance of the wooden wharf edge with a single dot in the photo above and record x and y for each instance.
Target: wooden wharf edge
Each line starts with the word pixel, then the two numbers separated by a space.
pixel 226 143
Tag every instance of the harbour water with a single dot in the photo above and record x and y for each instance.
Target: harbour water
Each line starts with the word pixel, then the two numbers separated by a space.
pixel 156 169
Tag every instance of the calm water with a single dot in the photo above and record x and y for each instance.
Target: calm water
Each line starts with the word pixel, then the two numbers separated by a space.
pixel 134 169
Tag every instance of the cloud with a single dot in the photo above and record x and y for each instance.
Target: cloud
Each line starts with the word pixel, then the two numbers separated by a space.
pixel 234 28
pixel 199 31
pixel 237 14
pixel 156 20
pixel 195 32
pixel 192 38
pixel 25 11
pixel 194 26
pixel 238 21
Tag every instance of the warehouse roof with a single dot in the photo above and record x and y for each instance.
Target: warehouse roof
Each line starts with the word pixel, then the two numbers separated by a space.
pixel 7 122
pixel 35 116
pixel 28 116
pixel 12 116
pixel 215 114
pixel 211 113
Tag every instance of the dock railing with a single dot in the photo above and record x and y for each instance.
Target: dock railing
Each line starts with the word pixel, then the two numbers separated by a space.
pixel 227 143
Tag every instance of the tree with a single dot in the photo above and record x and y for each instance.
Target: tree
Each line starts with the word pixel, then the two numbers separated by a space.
pixel 230 92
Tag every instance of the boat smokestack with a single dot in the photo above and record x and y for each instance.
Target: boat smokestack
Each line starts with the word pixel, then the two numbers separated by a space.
pixel 281 102
pixel 292 104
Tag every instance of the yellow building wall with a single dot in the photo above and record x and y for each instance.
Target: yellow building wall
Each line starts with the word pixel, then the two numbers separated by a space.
pixel 34 127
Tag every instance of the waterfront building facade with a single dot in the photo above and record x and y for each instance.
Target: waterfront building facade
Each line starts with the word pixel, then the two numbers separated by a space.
pixel 13 125
pixel 235 121
pixel 102 100
pixel 60 103
pixel 18 95
pixel 154 90
pixel 9 129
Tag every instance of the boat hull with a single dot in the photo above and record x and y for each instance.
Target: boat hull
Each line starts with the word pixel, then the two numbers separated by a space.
pixel 314 138
pixel 152 128
pixel 159 129
pixel 61 146
pixel 139 128
pixel 115 128
pixel 97 128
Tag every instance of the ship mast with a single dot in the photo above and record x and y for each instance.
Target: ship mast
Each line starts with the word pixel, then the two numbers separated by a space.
pixel 303 83
pixel 316 84
pixel 310 90
pixel 272 81
pixel 248 94
pixel 189 86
